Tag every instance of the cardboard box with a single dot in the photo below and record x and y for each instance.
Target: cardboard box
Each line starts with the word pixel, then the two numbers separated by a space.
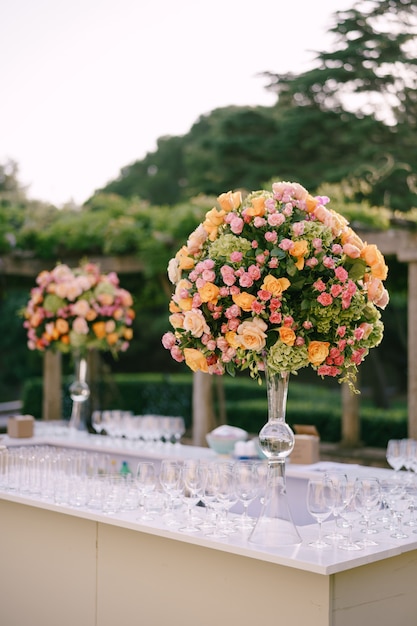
pixel 20 426
pixel 307 445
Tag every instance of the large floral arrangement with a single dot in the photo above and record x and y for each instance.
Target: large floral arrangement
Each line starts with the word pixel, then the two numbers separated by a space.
pixel 73 310
pixel 278 279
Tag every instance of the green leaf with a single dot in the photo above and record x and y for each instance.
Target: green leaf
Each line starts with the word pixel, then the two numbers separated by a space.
pixel 272 338
pixel 357 270
pixel 291 268
pixel 230 369
pixel 278 253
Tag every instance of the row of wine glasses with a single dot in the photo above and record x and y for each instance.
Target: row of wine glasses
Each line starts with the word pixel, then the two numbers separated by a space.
pixel 215 486
pixel 375 505
pixel 139 430
pixel 402 453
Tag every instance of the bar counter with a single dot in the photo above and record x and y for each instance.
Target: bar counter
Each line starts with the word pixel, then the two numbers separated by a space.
pixel 73 566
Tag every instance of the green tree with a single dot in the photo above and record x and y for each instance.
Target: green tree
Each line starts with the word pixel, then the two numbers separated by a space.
pixel 160 177
pixel 371 72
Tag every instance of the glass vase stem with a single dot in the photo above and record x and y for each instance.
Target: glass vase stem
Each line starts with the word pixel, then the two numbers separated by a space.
pixel 79 392
pixel 275 526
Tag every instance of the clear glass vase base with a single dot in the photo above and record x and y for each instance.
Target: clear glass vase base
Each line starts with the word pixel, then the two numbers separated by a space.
pixel 274 533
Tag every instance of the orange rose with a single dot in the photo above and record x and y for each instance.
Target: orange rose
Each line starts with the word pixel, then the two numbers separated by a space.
pixel 209 293
pixel 214 219
pixel 258 207
pixel 184 261
pixel 195 360
pixel 287 335
pixel 99 329
pixel 338 223
pixel 251 335
pixel 112 339
pixel 373 257
pixel 230 337
pixel 311 203
pixel 318 352
pixel 299 250
pixel 243 300
pixel 173 307
pixel 348 236
pixel 127 334
pixel 276 286
pixel 62 326
pixel 91 315
pixel 196 240
pixel 230 200
pixel 105 299
pixel 177 320
pixel 184 302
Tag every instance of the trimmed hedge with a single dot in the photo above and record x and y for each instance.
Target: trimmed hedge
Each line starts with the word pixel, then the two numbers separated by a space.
pixel 246 404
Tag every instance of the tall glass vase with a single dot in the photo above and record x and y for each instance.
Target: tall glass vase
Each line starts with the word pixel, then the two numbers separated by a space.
pixel 275 526
pixel 79 392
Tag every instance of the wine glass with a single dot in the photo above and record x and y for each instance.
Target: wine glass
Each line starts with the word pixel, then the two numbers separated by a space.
pixel 215 483
pixel 145 481
pixel 409 454
pixel 399 500
pixel 227 494
pixel 350 512
pixel 192 479
pixel 338 480
pixel 178 429
pixel 319 505
pixel 246 484
pixel 395 454
pixel 369 491
pixel 97 422
pixel 170 479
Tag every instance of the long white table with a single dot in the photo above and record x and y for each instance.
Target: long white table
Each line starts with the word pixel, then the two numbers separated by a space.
pixel 66 565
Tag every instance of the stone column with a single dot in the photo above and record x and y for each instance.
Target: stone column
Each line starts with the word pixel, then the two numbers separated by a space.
pixel 52 379
pixel 350 418
pixel 203 418
pixel 412 349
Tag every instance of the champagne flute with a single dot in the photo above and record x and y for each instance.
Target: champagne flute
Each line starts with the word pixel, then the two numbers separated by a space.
pixel 320 493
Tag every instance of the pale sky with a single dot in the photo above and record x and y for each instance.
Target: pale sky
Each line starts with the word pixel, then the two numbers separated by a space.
pixel 88 86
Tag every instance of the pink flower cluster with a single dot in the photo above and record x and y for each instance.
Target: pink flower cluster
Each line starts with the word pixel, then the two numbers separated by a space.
pixel 277 278
pixel 78 309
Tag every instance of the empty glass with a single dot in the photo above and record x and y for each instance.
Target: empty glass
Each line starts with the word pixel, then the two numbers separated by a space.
pixel 395 454
pixel 170 480
pixel 192 481
pixel 369 501
pixel 146 482
pixel 246 482
pixel 351 513
pixel 320 493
